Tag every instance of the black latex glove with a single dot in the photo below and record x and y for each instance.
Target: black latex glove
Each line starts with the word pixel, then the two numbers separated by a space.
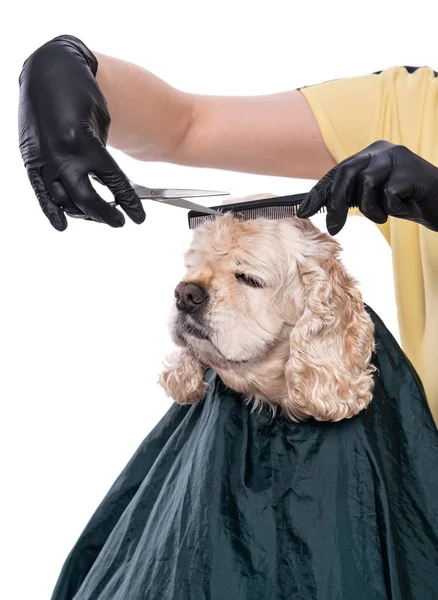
pixel 63 123
pixel 383 179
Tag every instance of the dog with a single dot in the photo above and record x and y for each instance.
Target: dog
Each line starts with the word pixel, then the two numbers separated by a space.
pixel 269 306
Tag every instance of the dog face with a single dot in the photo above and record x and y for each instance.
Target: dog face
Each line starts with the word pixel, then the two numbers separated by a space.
pixel 269 306
pixel 234 303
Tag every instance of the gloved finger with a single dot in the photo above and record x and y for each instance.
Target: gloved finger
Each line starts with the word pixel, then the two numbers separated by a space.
pixel 369 189
pixel 109 173
pixel 53 212
pixel 343 192
pixel 54 186
pixel 85 197
pixel 317 197
pixel 60 197
pixel 394 205
pixel 124 194
pixel 397 192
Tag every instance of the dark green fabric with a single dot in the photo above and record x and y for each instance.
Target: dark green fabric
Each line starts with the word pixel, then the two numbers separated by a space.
pixel 221 504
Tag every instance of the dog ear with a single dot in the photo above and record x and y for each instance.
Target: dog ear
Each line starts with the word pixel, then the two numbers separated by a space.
pixel 183 378
pixel 329 371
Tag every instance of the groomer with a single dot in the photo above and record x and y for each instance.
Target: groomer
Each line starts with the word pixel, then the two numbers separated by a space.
pixel 370 140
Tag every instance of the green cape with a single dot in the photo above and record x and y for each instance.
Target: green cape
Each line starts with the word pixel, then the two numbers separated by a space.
pixel 220 503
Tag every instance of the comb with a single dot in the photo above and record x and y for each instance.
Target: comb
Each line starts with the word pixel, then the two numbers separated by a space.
pixel 281 207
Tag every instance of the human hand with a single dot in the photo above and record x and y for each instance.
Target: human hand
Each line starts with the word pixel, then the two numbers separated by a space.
pixel 383 179
pixel 63 129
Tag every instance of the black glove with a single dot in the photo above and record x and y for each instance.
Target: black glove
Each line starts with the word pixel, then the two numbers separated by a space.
pixel 383 179
pixel 63 124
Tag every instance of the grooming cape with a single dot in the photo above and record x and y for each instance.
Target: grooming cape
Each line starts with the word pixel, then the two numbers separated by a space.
pixel 221 503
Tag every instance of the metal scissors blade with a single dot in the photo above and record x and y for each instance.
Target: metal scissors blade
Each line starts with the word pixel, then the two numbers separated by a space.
pixel 183 203
pixel 177 197
pixel 146 193
pixel 174 197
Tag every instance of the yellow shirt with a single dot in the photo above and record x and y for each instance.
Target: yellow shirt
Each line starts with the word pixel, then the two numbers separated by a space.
pixel 400 105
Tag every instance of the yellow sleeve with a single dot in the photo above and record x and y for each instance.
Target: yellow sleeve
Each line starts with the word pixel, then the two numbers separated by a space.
pixel 391 105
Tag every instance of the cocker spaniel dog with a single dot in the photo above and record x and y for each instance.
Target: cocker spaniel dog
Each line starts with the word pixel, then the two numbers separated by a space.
pixel 270 307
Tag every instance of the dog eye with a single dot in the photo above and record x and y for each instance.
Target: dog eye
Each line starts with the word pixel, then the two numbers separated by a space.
pixel 248 280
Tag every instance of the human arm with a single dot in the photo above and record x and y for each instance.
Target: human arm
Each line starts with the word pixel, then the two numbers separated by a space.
pixel 275 134
pixel 64 121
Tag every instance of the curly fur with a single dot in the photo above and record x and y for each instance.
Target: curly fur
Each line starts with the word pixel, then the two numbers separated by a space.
pixel 302 344
pixel 183 378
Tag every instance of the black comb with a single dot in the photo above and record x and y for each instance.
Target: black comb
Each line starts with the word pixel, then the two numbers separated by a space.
pixel 281 207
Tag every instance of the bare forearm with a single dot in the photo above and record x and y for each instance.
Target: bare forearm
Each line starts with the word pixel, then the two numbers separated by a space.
pixel 149 118
pixel 275 134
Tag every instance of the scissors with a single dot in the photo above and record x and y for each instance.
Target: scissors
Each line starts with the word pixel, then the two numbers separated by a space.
pixel 174 197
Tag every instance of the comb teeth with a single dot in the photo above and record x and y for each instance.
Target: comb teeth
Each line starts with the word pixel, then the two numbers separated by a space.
pixel 195 222
pixel 271 211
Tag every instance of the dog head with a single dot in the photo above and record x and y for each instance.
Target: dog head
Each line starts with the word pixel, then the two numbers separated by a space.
pixel 269 306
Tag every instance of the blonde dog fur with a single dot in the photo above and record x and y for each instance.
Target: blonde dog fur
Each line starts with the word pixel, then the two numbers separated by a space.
pixel 301 343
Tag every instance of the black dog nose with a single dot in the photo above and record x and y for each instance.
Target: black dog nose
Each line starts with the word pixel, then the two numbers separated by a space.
pixel 189 296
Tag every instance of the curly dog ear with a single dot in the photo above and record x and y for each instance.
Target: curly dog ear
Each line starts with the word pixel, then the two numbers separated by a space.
pixel 329 371
pixel 183 378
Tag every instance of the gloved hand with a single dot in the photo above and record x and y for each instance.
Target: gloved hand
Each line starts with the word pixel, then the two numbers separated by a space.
pixel 63 124
pixel 383 179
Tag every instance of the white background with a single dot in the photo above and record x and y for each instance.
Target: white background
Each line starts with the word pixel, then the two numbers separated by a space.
pixel 83 319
